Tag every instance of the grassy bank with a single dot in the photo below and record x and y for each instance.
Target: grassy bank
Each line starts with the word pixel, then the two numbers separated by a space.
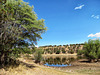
pixel 28 67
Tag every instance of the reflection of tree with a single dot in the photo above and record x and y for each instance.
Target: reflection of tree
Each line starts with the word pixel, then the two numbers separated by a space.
pixel 59 60
pixel 71 59
pixel 80 57
pixel 63 59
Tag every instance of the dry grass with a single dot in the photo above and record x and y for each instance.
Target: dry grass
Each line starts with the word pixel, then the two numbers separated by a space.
pixel 30 68
pixel 26 70
pixel 23 70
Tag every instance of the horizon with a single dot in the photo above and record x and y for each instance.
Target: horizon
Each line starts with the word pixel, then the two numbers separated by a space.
pixel 61 45
pixel 68 21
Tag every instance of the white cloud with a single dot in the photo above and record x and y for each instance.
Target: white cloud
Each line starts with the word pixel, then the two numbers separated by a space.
pixel 92 16
pixel 36 46
pixel 95 39
pixel 91 35
pixel 95 16
pixel 79 7
pixel 94 35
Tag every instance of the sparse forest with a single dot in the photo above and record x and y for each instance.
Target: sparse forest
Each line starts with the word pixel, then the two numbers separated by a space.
pixel 62 49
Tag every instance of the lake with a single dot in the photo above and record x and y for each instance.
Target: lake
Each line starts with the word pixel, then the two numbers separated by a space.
pixel 59 61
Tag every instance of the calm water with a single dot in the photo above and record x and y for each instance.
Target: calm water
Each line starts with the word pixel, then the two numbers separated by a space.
pixel 59 61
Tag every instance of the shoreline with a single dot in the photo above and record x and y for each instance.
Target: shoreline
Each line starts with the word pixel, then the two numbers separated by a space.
pixel 30 68
pixel 75 54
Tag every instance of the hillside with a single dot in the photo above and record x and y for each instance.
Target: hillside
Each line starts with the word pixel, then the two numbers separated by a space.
pixel 62 49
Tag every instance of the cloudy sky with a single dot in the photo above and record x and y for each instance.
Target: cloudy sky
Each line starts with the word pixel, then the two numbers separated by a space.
pixel 68 21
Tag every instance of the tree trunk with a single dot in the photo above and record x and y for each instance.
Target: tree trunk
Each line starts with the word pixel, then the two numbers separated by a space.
pixel 2 60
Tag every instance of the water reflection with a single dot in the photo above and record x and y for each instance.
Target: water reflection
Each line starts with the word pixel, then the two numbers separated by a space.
pixel 57 65
pixel 58 61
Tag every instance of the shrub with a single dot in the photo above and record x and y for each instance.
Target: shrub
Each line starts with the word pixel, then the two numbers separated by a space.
pixel 38 56
pixel 63 50
pixel 71 51
pixel 80 52
pixel 58 51
pixel 51 52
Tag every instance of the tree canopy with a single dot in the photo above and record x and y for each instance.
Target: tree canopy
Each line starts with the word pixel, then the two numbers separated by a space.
pixel 19 27
pixel 92 50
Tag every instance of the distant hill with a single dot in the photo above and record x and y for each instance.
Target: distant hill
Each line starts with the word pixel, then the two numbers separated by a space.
pixel 72 48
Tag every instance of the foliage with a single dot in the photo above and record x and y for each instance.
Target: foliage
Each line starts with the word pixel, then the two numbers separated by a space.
pixel 55 45
pixel 63 50
pixel 92 50
pixel 51 52
pixel 80 52
pixel 38 55
pixel 58 52
pixel 19 28
pixel 47 50
pixel 71 51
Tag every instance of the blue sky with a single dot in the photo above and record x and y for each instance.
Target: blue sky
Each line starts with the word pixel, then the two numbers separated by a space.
pixel 68 21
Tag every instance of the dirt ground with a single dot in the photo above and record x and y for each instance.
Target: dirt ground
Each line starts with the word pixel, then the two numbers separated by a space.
pixel 80 67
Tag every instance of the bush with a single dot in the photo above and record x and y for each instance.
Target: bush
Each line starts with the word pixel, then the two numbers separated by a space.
pixel 58 51
pixel 48 51
pixel 51 52
pixel 80 52
pixel 71 51
pixel 38 56
pixel 63 50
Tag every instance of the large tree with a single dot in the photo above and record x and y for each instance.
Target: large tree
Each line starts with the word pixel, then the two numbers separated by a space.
pixel 92 50
pixel 19 27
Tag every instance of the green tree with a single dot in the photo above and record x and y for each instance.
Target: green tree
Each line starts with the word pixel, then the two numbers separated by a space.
pixel 63 50
pixel 92 50
pixel 71 51
pixel 19 28
pixel 58 51
pixel 80 52
pixel 98 53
